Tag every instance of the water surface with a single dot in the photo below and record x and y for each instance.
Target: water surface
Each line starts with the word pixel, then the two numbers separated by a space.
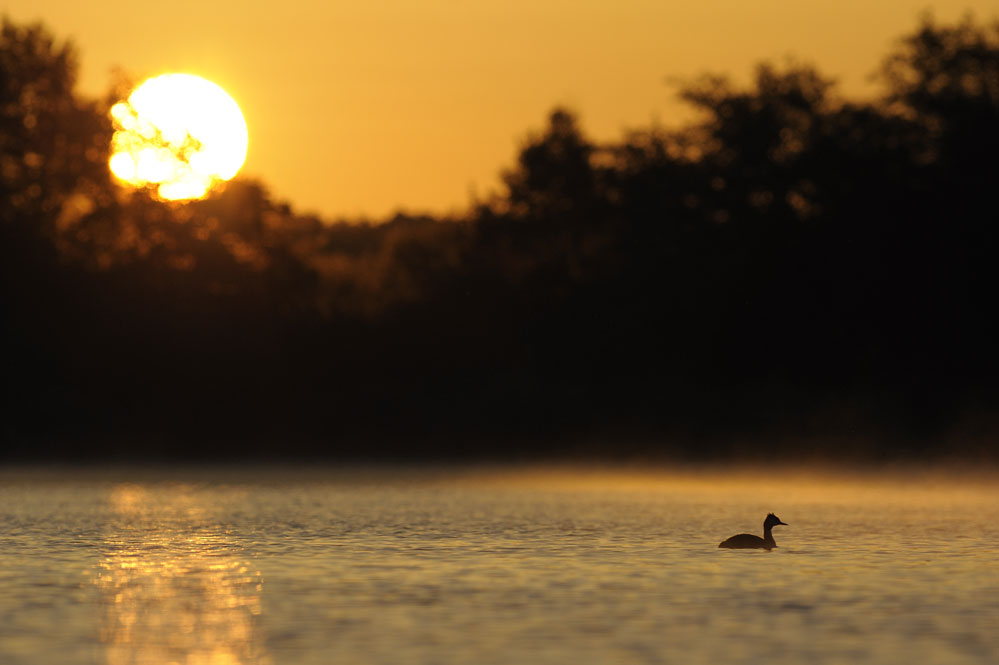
pixel 246 567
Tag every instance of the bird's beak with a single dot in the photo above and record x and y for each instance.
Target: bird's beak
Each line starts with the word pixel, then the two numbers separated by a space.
pixel 779 522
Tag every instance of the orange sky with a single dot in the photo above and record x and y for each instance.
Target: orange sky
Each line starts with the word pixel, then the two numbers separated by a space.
pixel 365 107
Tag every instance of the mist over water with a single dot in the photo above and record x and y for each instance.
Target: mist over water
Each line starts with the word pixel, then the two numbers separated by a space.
pixel 495 566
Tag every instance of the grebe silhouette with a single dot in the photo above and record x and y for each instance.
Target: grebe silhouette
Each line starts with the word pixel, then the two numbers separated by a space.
pixel 747 541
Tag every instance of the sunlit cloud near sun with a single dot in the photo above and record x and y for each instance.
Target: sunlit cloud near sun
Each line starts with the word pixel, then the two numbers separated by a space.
pixel 178 133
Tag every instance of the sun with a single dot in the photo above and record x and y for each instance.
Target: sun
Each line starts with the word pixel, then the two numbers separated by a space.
pixel 179 134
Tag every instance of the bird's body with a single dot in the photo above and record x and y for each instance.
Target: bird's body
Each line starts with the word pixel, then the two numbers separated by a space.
pixel 747 541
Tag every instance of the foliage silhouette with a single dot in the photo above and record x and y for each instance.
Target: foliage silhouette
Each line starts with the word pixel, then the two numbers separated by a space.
pixel 794 272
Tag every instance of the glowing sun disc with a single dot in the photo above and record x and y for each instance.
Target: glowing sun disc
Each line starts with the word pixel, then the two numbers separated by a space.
pixel 179 133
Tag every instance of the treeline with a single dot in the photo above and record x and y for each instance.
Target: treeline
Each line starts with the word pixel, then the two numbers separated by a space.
pixel 794 273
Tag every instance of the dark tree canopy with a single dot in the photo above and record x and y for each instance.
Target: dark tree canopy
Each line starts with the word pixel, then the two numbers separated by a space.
pixel 554 175
pixel 53 143
pixel 795 272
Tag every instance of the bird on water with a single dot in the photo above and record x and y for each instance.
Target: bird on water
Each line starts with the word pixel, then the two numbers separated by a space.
pixel 747 541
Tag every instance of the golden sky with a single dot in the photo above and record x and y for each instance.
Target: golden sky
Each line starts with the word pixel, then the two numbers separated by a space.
pixel 360 108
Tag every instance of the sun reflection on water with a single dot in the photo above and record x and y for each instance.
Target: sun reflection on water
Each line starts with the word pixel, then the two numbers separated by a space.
pixel 174 587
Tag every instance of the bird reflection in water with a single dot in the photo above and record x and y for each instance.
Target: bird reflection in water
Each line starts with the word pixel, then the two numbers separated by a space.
pixel 174 587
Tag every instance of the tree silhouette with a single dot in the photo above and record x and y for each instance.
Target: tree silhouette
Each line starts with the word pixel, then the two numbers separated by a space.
pixel 792 266
pixel 555 176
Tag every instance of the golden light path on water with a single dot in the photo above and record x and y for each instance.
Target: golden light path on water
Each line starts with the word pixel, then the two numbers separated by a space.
pixel 444 565
pixel 174 587
pixel 177 133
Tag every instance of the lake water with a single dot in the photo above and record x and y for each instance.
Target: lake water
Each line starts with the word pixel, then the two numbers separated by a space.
pixel 486 566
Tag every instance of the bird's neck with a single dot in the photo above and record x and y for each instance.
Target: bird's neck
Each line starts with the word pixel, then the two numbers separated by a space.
pixel 768 535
